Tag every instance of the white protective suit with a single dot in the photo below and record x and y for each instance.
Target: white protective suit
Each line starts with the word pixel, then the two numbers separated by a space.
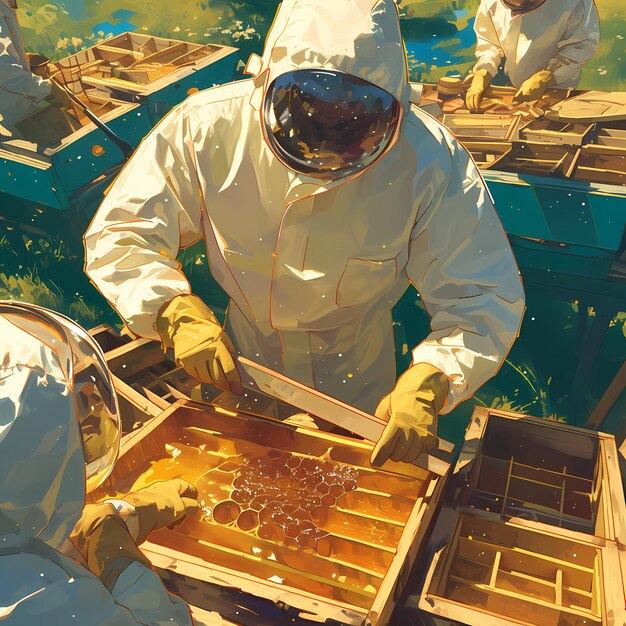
pixel 561 36
pixel 42 491
pixel 20 89
pixel 312 269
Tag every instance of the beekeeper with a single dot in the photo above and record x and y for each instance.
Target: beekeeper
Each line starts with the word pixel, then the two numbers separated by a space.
pixel 321 193
pixel 59 436
pixel 21 92
pixel 544 43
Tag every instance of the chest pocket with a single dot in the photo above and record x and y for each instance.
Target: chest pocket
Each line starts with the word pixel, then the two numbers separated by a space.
pixel 365 279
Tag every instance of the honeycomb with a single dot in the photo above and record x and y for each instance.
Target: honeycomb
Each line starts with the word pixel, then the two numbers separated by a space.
pixel 282 495
pixel 291 507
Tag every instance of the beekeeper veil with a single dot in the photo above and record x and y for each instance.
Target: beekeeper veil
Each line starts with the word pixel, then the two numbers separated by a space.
pixel 80 364
pixel 332 84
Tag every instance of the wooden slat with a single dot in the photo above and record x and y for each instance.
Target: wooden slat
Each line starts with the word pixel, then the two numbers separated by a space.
pixel 559 587
pixel 134 356
pixel 145 405
pixel 494 569
pixel 138 56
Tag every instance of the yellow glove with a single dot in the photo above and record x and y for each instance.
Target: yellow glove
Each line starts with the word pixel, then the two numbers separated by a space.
pixel 411 411
pixel 103 539
pixel 534 87
pixel 200 344
pixel 165 503
pixel 480 83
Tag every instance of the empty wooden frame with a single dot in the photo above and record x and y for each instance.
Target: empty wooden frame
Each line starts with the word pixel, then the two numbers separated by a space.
pixel 537 534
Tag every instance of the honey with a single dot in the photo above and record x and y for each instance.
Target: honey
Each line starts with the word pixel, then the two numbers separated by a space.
pixel 281 493
pixel 295 507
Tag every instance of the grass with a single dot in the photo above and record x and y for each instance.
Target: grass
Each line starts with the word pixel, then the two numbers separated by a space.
pixel 60 27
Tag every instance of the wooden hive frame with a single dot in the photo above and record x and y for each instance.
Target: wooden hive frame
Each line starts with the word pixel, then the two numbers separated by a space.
pixel 228 558
pixel 550 131
pixel 487 126
pixel 145 61
pixel 602 163
pixel 533 563
pixel 193 572
pixel 542 159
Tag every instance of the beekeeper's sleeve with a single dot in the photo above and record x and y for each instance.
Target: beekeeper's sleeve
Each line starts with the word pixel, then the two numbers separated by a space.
pixel 579 43
pixel 153 209
pixel 488 47
pixel 462 265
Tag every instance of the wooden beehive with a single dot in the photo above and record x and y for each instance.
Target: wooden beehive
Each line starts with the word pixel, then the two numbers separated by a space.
pixel 133 62
pixel 488 127
pixel 61 153
pixel 549 131
pixel 157 72
pixel 535 528
pixel 290 514
pixel 540 159
pixel 602 163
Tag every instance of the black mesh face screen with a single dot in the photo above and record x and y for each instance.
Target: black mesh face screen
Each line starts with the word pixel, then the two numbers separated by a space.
pixel 328 124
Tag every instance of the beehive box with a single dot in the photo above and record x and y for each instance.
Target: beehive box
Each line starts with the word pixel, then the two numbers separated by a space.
pixel 156 71
pixel 549 131
pixel 290 514
pixel 67 157
pixel 485 126
pixel 485 152
pixel 540 159
pixel 535 528
pixel 602 163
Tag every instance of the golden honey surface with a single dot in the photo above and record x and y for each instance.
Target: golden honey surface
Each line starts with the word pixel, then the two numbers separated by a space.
pixel 292 507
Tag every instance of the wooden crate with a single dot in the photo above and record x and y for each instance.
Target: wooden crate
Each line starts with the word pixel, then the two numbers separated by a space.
pixel 344 555
pixel 486 153
pixel 138 64
pixel 486 127
pixel 546 131
pixel 536 529
pixel 601 164
pixel 540 159
pixel 613 135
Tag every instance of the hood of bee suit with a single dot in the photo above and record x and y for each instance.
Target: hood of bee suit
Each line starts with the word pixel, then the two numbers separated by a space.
pixel 358 37
pixel 42 468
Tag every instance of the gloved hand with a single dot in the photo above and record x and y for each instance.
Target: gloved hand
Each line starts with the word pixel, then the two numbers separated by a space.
pixel 480 82
pixel 534 87
pixel 165 503
pixel 411 411
pixel 58 98
pixel 103 539
pixel 200 344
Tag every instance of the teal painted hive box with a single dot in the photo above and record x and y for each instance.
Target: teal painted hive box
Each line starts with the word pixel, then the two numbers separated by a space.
pixel 62 159
pixel 157 72
pixel 130 82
